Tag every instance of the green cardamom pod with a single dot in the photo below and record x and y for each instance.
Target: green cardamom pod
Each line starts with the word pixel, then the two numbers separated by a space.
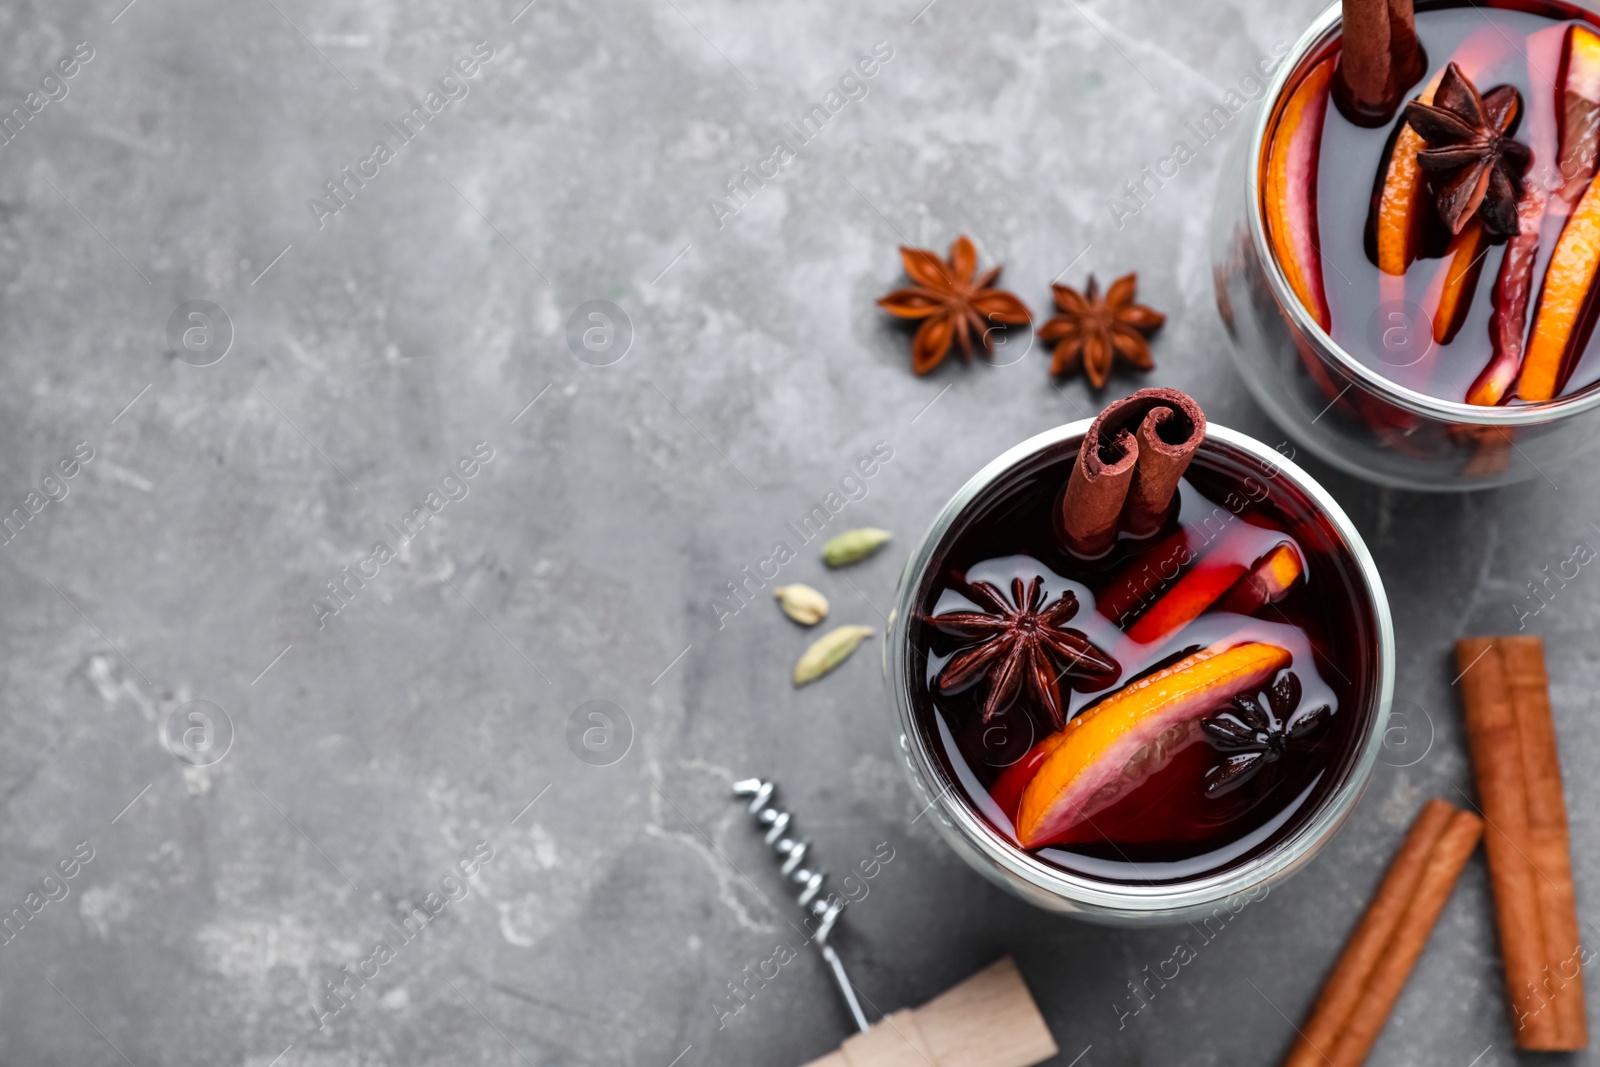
pixel 828 651
pixel 853 546
pixel 802 603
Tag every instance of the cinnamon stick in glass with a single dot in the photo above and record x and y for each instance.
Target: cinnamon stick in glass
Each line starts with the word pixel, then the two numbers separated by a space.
pixel 1364 985
pixel 1362 83
pixel 1168 437
pixel 1128 468
pixel 1379 58
pixel 1510 731
pixel 1407 63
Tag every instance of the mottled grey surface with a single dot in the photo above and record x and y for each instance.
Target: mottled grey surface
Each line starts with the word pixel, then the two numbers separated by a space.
pixel 371 752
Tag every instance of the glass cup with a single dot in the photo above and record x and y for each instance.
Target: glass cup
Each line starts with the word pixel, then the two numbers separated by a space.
pixel 1354 418
pixel 1256 470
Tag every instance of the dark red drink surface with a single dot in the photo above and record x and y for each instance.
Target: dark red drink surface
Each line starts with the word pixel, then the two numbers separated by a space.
pixel 1389 328
pixel 1165 829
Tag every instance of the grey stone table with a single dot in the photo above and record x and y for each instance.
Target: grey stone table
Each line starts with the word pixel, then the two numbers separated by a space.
pixel 259 343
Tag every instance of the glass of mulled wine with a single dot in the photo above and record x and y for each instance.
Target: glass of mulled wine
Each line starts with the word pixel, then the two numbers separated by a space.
pixel 1396 340
pixel 1214 692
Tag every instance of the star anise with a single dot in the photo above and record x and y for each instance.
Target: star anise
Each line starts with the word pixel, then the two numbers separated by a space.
pixel 1022 643
pixel 1091 332
pixel 1254 733
pixel 952 304
pixel 1476 166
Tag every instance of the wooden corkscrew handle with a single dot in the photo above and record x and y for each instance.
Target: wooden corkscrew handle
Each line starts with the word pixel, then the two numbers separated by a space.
pixel 990 1020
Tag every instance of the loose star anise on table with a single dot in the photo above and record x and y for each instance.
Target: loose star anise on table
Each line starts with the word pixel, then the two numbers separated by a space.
pixel 952 304
pixel 1253 735
pixel 1022 642
pixel 1091 332
pixel 1475 164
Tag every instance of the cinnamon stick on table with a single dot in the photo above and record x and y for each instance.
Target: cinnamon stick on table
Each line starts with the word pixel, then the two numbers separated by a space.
pixel 1512 737
pixel 1128 468
pixel 1378 958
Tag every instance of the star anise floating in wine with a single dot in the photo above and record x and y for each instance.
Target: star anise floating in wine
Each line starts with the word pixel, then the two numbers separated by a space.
pixel 1253 733
pixel 1023 644
pixel 1090 333
pixel 952 304
pixel 1475 165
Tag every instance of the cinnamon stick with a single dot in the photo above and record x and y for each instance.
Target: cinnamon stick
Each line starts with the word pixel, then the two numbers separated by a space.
pixel 1168 438
pixel 1364 985
pixel 1379 59
pixel 1098 486
pixel 1128 468
pixel 1407 63
pixel 1361 87
pixel 1512 738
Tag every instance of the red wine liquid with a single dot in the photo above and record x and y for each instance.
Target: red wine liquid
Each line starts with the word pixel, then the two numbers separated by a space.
pixel 1165 829
pixel 1388 329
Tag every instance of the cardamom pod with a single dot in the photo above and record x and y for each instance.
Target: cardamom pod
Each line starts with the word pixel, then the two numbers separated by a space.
pixel 802 603
pixel 828 651
pixel 853 546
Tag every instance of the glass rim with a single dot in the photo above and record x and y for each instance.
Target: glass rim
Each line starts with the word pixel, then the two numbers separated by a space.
pixel 1316 35
pixel 1111 899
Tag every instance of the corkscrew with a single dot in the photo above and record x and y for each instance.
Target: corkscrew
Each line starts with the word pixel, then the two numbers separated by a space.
pixel 825 908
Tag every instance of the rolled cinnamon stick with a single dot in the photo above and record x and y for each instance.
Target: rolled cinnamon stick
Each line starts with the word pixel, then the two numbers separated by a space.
pixel 1364 58
pixel 1407 64
pixel 1098 486
pixel 1112 473
pixel 1364 985
pixel 1511 734
pixel 1168 438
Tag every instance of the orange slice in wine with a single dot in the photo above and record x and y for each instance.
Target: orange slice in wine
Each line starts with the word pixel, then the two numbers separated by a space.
pixel 1578 109
pixel 1008 788
pixel 1291 192
pixel 1218 574
pixel 1563 301
pixel 1119 743
pixel 1399 201
pixel 1268 582
pixel 1459 280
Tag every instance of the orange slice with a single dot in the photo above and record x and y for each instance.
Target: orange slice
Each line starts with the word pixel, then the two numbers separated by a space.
pixel 1007 790
pixel 1119 743
pixel 1578 110
pixel 1147 576
pixel 1458 281
pixel 1220 571
pixel 1402 192
pixel 1291 192
pixel 1268 582
pixel 1563 301
pixel 1188 600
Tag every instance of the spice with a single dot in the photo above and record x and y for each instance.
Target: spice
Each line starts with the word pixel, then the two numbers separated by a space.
pixel 1379 59
pixel 853 546
pixel 952 304
pixel 802 603
pixel 1090 333
pixel 1253 733
pixel 1113 478
pixel 1476 166
pixel 1364 985
pixel 1021 643
pixel 828 651
pixel 1514 760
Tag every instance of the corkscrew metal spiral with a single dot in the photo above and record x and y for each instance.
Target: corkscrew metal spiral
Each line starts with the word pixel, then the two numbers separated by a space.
pixel 825 908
